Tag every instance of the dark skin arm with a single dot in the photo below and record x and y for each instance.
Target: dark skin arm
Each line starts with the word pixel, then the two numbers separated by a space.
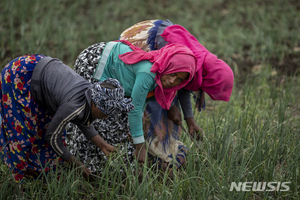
pixel 97 140
pixel 100 143
pixel 194 129
pixel 73 161
pixel 174 114
pixel 140 153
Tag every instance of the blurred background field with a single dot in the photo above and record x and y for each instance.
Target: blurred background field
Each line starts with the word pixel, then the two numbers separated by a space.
pixel 254 137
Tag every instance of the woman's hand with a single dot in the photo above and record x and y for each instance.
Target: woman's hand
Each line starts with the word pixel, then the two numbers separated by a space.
pixel 194 129
pixel 140 153
pixel 174 115
pixel 80 166
pixel 100 143
pixel 108 149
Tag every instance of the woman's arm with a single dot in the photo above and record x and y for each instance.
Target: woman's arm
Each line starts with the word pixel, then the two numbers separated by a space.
pixel 143 84
pixel 64 114
pixel 91 134
pixel 174 113
pixel 185 101
pixel 184 97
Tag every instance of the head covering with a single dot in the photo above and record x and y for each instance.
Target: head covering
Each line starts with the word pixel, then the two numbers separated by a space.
pixel 212 75
pixel 111 101
pixel 169 59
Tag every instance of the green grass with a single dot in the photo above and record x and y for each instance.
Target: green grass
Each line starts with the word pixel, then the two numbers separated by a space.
pixel 253 138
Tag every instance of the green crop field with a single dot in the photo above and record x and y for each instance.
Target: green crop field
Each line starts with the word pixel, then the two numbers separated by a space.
pixel 252 138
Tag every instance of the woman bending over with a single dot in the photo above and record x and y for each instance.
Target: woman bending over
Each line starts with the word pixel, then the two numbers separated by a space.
pixel 39 95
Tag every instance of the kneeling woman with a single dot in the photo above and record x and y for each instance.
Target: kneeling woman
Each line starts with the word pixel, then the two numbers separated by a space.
pixel 142 74
pixel 39 96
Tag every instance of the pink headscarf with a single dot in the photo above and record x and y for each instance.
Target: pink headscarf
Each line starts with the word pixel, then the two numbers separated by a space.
pixel 212 75
pixel 169 59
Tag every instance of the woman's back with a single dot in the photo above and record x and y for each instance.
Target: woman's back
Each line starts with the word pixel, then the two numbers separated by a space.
pixel 127 74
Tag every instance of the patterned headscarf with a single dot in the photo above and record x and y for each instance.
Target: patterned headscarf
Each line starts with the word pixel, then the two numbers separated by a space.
pixel 111 101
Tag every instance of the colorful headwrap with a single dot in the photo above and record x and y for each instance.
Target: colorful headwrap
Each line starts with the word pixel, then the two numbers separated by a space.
pixel 169 59
pixel 111 101
pixel 212 75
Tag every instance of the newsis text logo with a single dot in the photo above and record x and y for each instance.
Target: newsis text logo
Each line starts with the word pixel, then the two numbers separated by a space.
pixel 260 186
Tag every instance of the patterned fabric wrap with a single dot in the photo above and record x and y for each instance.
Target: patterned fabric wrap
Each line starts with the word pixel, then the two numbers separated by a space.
pixel 163 136
pixel 22 145
pixel 114 129
pixel 143 34
pixel 111 101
